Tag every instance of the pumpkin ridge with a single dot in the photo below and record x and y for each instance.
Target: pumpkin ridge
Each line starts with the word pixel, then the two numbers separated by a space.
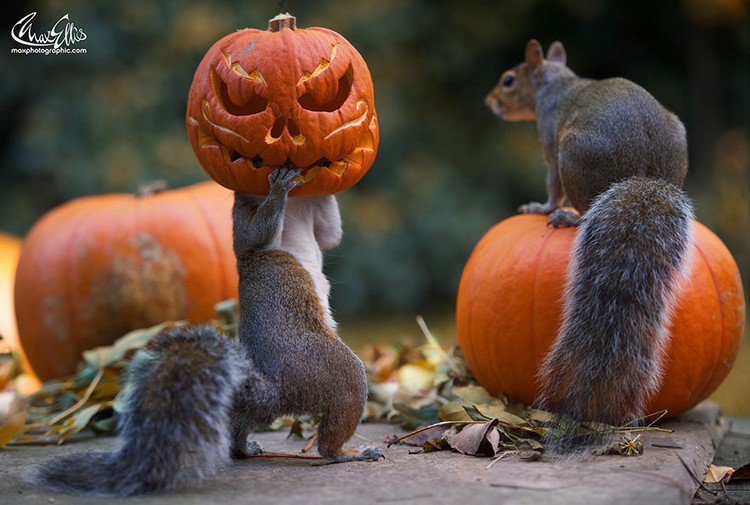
pixel 475 343
pixel 71 268
pixel 537 267
pixel 711 274
pixel 507 257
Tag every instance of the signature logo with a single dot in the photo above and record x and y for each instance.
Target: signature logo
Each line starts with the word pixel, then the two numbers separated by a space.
pixel 62 33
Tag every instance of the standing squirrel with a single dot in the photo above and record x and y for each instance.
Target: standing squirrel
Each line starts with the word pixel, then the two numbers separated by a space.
pixel 193 395
pixel 621 158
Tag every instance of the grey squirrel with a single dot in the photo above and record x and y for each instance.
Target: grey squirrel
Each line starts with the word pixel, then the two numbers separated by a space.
pixel 621 158
pixel 193 395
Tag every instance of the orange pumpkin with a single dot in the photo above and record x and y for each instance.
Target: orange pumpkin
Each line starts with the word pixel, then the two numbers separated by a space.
pixel 97 267
pixel 263 99
pixel 510 306
pixel 10 249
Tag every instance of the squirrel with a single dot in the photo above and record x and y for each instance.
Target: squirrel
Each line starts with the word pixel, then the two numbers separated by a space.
pixel 620 158
pixel 192 395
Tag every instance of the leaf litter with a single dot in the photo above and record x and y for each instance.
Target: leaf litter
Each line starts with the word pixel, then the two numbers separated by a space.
pixel 426 388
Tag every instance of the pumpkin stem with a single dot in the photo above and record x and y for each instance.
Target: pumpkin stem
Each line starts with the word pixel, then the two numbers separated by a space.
pixel 151 188
pixel 281 21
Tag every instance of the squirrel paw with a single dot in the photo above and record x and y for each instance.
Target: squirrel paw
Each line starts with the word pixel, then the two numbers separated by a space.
pixel 371 453
pixel 282 180
pixel 251 449
pixel 535 208
pixel 364 453
pixel 562 217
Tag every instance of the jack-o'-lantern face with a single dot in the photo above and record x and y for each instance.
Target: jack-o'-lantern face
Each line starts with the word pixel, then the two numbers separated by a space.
pixel 261 100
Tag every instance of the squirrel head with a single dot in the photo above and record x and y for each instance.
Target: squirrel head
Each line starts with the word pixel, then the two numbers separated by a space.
pixel 513 97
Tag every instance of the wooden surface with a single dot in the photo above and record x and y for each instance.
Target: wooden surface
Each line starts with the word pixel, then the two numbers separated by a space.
pixel 669 472
pixel 733 451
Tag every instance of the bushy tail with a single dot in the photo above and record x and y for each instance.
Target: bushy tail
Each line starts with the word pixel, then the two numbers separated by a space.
pixel 631 254
pixel 174 426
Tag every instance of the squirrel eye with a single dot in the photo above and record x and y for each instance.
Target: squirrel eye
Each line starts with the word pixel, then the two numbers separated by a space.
pixel 508 81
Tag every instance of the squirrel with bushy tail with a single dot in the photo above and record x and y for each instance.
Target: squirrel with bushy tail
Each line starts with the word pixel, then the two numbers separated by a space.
pixel 620 158
pixel 192 395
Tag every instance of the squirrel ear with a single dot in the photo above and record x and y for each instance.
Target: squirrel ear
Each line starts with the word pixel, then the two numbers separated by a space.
pixel 534 54
pixel 556 53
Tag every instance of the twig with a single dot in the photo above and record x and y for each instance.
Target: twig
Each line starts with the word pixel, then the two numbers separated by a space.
pixel 80 403
pixel 659 414
pixel 645 428
pixel 278 455
pixel 499 457
pixel 310 443
pixel 436 425
pixel 434 343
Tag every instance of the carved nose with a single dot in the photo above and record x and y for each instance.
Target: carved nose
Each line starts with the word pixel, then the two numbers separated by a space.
pixel 284 122
pixel 287 123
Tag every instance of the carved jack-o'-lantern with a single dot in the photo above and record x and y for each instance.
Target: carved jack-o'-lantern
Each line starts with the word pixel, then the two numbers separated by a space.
pixel 283 97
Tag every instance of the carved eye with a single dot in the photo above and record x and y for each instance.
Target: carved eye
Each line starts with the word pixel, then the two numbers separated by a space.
pixel 255 104
pixel 311 100
pixel 508 81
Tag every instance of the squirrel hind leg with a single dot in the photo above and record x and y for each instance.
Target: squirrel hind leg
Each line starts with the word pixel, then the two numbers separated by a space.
pixel 255 403
pixel 336 428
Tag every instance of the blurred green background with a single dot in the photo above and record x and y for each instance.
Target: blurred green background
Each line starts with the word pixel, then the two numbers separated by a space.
pixel 113 118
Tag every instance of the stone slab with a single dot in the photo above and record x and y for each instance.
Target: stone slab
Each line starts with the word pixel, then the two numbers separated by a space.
pixel 664 475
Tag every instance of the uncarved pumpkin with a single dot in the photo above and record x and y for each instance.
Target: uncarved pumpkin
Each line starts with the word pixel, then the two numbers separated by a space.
pixel 262 99
pixel 510 305
pixel 10 249
pixel 97 267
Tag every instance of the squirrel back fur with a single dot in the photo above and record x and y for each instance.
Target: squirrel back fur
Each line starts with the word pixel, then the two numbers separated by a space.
pixel 174 425
pixel 620 157
pixel 630 257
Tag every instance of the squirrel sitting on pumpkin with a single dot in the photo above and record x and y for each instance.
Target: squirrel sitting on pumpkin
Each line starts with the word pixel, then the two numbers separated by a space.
pixel 192 394
pixel 621 158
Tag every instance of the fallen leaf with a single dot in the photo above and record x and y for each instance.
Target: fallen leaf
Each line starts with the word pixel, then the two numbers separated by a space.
pixel 415 378
pixel 717 474
pixel 530 455
pixel 423 437
pixel 473 394
pixel 477 439
pixel 102 357
pixel 12 417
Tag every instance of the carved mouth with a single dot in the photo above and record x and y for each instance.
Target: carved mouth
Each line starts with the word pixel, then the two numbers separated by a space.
pixel 238 162
pixel 257 162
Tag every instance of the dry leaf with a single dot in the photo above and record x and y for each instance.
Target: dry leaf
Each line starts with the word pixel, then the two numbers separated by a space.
pixel 477 439
pixel 105 356
pixel 12 417
pixel 415 378
pixel 474 394
pixel 717 474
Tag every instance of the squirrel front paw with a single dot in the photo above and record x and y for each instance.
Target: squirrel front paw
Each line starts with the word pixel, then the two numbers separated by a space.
pixel 535 208
pixel 283 180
